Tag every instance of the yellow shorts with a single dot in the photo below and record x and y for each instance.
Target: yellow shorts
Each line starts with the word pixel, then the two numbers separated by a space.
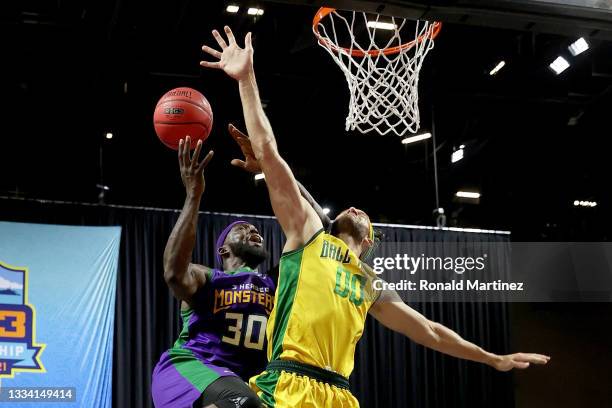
pixel 281 389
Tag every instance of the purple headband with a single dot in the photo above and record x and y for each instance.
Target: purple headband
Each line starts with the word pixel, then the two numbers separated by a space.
pixel 221 240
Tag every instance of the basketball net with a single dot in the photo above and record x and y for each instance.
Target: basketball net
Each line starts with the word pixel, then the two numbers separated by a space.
pixel 382 79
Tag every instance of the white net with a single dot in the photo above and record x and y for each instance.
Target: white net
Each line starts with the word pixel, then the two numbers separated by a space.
pixel 382 72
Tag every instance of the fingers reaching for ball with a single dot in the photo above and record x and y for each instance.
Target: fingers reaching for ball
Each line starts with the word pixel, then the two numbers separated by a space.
pixel 236 61
pixel 183 151
pixel 219 39
pixel 250 162
pixel 206 160
pixel 196 154
pixel 192 162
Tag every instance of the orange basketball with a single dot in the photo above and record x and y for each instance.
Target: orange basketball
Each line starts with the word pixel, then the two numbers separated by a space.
pixel 182 112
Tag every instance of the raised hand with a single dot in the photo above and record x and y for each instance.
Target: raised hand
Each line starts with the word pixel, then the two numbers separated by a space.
pixel 519 360
pixel 192 172
pixel 235 61
pixel 249 163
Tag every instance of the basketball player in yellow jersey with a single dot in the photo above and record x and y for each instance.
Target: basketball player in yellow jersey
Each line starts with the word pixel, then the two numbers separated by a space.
pixel 324 291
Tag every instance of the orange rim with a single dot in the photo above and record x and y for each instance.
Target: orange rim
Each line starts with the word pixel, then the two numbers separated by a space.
pixel 324 11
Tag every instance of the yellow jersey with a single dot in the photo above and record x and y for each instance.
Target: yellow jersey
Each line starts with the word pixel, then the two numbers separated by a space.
pixel 323 296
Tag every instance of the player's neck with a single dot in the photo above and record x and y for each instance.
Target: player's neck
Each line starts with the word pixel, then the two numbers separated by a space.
pixel 233 264
pixel 351 242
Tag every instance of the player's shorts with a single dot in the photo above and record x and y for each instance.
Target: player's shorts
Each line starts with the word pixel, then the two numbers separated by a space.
pixel 228 392
pixel 287 384
pixel 179 379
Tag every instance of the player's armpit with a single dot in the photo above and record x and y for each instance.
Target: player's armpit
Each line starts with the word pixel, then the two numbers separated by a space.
pixel 200 274
pixel 273 274
pixel 184 286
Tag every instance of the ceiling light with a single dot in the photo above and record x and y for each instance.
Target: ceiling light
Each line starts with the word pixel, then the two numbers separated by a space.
pixel 254 11
pixel 578 47
pixel 559 65
pixel 499 66
pixel 109 135
pixel 467 194
pixel 382 26
pixel 326 210
pixel 260 176
pixel 584 203
pixel 232 8
pixel 416 138
pixel 457 155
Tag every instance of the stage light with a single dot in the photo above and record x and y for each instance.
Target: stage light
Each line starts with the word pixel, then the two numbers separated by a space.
pixel 232 8
pixel 254 11
pixel 457 155
pixel 578 47
pixel 467 194
pixel 382 26
pixel 559 65
pixel 260 176
pixel 326 210
pixel 585 203
pixel 499 66
pixel 416 138
pixel 109 135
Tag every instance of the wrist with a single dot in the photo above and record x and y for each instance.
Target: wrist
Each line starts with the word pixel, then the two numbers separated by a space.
pixel 247 78
pixel 192 196
pixel 492 359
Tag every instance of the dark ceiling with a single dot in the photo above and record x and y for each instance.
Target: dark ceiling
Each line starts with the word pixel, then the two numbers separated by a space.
pixel 72 71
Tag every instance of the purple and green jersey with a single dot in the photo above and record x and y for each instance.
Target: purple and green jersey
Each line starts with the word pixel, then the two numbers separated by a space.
pixel 223 334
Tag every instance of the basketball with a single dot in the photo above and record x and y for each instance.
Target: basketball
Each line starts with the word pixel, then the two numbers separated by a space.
pixel 182 112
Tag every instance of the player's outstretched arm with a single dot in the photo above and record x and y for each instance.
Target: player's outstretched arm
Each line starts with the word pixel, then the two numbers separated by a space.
pixel 183 277
pixel 296 217
pixel 251 165
pixel 394 314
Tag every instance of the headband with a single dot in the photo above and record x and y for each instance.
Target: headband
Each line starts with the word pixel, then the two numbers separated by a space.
pixel 221 240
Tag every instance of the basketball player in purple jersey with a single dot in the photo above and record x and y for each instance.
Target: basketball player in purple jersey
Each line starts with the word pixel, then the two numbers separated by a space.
pixel 224 311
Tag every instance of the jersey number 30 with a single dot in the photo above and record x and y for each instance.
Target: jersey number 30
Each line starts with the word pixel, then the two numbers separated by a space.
pixel 235 330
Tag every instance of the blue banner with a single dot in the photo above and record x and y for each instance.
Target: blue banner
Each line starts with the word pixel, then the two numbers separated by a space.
pixel 57 306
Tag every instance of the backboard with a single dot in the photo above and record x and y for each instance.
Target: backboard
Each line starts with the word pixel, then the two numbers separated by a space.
pixel 597 4
pixel 574 18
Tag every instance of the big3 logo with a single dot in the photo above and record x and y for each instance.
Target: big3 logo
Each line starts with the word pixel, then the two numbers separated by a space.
pixel 18 349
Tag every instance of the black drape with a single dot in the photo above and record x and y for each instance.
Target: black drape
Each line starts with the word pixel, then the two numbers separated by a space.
pixel 390 371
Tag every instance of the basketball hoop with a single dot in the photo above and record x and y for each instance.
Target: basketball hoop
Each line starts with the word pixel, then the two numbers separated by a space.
pixel 382 79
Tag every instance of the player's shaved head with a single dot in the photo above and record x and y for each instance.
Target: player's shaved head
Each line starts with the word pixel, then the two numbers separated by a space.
pixel 354 223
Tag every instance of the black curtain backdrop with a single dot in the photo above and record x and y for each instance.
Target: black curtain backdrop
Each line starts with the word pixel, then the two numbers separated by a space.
pixel 390 371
